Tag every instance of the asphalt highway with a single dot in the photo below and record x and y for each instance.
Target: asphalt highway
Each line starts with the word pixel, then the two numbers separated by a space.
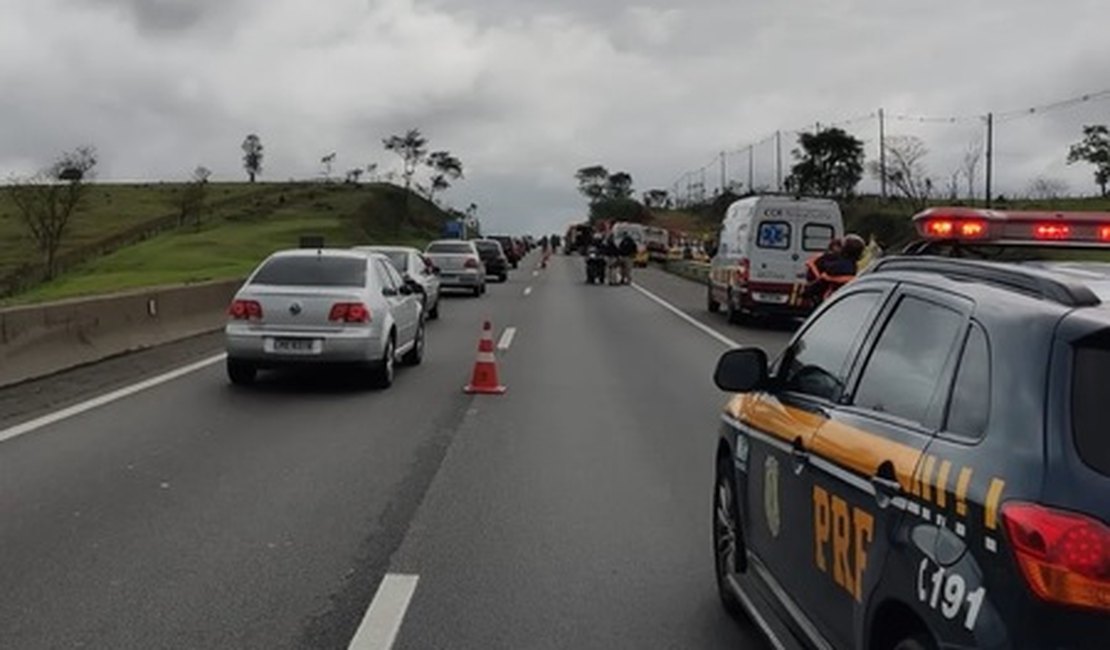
pixel 572 512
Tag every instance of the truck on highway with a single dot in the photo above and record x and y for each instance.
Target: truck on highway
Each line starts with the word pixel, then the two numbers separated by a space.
pixel 760 265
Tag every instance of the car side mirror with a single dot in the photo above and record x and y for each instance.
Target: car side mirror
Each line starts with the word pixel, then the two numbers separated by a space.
pixel 743 370
pixel 413 285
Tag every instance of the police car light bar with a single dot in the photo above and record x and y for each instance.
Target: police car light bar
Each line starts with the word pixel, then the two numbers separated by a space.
pixel 1014 227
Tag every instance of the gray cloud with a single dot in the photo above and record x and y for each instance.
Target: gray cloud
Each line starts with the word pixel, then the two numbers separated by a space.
pixel 526 91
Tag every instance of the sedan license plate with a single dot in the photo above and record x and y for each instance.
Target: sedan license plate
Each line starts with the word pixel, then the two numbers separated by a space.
pixel 771 298
pixel 294 346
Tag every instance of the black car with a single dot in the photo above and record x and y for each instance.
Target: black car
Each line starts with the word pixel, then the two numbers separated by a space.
pixel 509 247
pixel 927 465
pixel 497 264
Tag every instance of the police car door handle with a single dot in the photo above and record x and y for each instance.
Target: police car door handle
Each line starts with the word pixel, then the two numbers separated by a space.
pixel 886 489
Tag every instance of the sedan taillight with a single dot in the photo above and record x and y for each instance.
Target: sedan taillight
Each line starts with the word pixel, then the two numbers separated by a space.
pixel 349 312
pixel 471 263
pixel 245 310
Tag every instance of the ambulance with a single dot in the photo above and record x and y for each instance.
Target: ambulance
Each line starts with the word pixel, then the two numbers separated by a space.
pixel 764 242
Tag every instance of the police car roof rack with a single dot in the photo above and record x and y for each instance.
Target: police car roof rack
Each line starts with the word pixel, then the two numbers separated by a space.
pixel 1033 282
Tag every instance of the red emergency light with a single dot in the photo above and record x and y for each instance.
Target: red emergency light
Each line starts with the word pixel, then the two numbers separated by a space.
pixel 1014 227
pixel 945 228
pixel 1054 231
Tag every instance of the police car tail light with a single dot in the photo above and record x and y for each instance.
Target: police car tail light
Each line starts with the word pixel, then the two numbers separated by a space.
pixel 944 228
pixel 1052 231
pixel 1064 556
pixel 245 310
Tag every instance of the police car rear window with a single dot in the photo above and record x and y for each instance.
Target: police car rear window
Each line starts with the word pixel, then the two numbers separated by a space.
pixel 773 234
pixel 1090 404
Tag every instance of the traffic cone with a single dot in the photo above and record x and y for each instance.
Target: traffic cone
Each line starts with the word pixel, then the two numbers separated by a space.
pixel 484 380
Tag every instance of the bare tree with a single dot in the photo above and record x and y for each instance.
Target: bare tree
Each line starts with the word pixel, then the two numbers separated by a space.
pixel 327 161
pixel 372 172
pixel 252 156
pixel 193 197
pixel 969 166
pixel 953 187
pixel 47 201
pixel 905 169
pixel 412 147
pixel 1047 189
pixel 353 175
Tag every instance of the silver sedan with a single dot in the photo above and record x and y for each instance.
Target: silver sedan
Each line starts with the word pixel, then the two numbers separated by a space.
pixel 416 269
pixel 312 307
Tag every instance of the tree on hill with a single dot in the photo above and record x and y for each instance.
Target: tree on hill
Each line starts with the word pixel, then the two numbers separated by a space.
pixel 446 168
pixel 657 199
pixel 252 156
pixel 353 175
pixel 412 147
pixel 1095 150
pixel 619 210
pixel 592 182
pixel 618 186
pixel 47 201
pixel 193 197
pixel 327 161
pixel 830 163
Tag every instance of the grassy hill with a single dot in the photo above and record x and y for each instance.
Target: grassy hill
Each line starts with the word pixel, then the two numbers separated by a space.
pixel 233 237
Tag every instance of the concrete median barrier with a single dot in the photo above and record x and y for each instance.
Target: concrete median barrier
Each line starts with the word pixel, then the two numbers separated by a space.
pixel 37 340
pixel 696 271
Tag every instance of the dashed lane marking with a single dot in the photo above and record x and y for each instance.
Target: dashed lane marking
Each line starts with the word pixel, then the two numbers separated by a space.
pixel 720 338
pixel 107 398
pixel 528 291
pixel 379 628
pixel 506 338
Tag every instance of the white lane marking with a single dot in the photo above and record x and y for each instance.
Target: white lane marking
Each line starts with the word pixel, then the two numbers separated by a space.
pixel 107 398
pixel 535 274
pixel 506 338
pixel 528 291
pixel 721 338
pixel 379 628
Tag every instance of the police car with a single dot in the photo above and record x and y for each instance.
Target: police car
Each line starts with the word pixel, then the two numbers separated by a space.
pixel 927 465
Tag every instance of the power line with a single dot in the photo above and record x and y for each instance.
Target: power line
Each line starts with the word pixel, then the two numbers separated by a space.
pixel 1054 106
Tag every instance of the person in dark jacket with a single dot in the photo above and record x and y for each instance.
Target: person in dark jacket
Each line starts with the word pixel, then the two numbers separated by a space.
pixel 627 250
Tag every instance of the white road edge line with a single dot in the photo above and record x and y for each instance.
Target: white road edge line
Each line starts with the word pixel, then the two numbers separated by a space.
pixel 107 398
pixel 379 628
pixel 506 338
pixel 720 338
pixel 528 291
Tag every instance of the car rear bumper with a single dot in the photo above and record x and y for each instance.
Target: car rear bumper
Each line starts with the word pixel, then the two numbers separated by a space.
pixel 775 299
pixel 358 346
pixel 460 281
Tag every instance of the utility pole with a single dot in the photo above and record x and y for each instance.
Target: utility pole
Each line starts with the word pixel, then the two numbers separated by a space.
pixel 778 160
pixel 701 189
pixel 751 169
pixel 990 156
pixel 724 172
pixel 882 154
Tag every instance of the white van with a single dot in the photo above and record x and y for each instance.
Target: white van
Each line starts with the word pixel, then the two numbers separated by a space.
pixel 760 265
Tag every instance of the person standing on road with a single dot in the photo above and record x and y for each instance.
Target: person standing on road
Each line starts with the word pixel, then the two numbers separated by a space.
pixel 545 244
pixel 627 251
pixel 612 258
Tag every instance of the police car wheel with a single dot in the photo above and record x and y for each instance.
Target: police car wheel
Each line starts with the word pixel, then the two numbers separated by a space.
pixel 726 538
pixel 914 643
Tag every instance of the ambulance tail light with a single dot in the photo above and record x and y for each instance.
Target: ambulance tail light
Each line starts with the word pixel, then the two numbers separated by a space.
pixel 1064 556
pixel 742 272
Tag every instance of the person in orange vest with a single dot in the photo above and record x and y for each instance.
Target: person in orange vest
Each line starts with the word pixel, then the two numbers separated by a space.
pixel 834 268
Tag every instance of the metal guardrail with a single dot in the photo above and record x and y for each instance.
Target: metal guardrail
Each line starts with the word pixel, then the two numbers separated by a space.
pixel 696 271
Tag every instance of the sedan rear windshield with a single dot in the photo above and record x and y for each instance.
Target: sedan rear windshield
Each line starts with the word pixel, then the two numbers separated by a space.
pixel 1090 404
pixel 451 248
pixel 318 271
pixel 488 247
pixel 399 260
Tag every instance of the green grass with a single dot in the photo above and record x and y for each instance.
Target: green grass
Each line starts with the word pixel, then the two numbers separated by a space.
pixel 234 240
pixel 106 210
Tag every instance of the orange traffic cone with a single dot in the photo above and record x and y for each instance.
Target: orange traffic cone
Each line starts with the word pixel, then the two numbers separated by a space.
pixel 484 380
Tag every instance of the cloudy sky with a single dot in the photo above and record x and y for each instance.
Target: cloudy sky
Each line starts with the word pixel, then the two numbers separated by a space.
pixel 527 91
